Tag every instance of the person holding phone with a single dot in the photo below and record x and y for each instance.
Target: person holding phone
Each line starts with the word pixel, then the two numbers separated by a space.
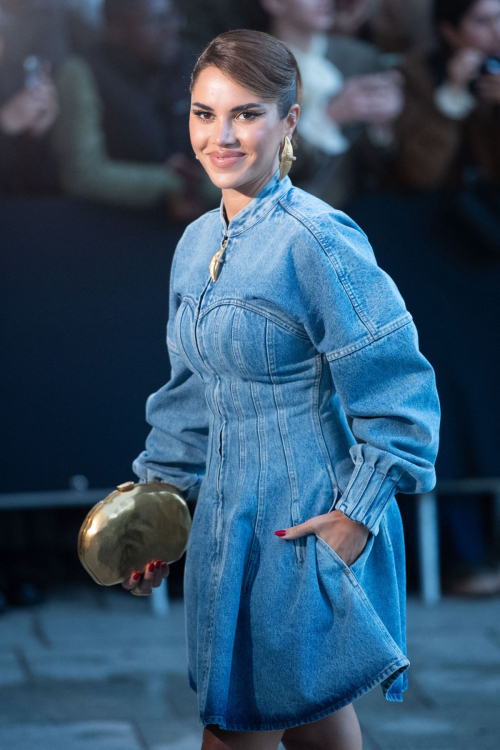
pixel 26 118
pixel 450 125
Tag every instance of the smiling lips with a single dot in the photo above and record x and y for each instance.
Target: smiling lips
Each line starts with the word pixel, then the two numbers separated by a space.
pixel 225 158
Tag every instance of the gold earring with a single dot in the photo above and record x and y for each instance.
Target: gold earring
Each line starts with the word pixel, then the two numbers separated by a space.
pixel 287 158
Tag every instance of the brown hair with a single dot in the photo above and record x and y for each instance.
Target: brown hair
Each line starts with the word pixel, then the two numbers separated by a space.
pixel 257 61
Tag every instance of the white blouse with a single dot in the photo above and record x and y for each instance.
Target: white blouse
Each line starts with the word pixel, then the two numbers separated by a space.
pixel 321 80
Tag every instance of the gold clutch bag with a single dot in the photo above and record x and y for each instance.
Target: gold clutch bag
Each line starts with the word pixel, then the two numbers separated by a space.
pixel 132 526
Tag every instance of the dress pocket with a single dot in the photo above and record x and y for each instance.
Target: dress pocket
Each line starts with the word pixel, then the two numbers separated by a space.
pixel 360 561
pixel 354 615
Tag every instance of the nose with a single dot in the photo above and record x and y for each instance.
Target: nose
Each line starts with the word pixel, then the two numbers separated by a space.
pixel 223 134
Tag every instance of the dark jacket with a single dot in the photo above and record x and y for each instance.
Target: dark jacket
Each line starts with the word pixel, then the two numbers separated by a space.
pixel 434 150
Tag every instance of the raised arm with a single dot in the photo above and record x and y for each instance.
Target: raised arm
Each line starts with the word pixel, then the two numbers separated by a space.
pixel 85 167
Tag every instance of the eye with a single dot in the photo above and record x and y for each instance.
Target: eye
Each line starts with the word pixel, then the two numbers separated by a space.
pixel 248 116
pixel 202 114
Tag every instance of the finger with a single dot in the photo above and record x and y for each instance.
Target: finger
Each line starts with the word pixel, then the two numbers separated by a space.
pixel 165 569
pixel 145 585
pixel 132 581
pixel 301 529
pixel 157 579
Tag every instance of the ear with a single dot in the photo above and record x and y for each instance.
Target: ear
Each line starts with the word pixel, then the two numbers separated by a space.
pixel 292 119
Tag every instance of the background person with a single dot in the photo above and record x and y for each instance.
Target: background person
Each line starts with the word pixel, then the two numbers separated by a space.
pixel 28 111
pixel 350 99
pixel 121 138
pixel 448 142
pixel 449 129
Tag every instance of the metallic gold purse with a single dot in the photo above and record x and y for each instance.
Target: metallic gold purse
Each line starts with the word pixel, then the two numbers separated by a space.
pixel 132 526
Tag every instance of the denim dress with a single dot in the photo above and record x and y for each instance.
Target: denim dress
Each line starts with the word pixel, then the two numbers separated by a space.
pixel 297 387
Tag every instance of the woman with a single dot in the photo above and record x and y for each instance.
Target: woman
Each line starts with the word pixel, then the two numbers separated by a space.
pixel 449 131
pixel 298 404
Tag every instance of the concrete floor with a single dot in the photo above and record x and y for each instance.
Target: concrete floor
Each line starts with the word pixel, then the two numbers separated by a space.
pixel 94 667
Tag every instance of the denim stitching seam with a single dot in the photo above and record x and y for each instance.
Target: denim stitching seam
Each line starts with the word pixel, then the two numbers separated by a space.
pixel 401 322
pixel 287 451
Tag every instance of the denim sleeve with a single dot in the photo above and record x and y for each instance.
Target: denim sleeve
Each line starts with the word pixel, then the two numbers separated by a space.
pixel 358 320
pixel 176 446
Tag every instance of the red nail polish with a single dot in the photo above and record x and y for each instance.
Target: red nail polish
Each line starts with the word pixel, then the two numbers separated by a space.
pixel 280 533
pixel 164 565
pixel 151 567
pixel 157 563
pixel 137 576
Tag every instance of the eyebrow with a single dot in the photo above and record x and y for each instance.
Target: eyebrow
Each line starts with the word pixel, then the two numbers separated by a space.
pixel 251 105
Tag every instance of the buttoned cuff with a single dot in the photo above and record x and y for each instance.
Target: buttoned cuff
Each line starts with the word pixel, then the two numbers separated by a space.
pixel 367 496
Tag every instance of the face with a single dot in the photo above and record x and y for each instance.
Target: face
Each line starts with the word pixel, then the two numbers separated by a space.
pixel 309 15
pixel 150 32
pixel 236 137
pixel 479 28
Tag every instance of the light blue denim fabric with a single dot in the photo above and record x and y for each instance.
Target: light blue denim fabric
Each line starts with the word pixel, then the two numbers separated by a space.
pixel 297 387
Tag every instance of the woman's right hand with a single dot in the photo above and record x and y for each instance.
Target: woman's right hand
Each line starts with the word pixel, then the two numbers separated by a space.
pixel 464 66
pixel 150 578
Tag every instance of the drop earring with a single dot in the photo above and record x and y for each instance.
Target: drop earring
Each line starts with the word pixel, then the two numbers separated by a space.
pixel 286 158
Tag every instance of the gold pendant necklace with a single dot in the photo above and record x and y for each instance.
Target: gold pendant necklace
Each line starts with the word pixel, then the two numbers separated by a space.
pixel 216 261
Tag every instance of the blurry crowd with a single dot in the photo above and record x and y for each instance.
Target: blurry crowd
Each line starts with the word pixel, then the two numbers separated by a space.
pixel 94 100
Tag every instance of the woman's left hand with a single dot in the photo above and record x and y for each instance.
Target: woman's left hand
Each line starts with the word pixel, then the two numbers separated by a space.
pixel 347 538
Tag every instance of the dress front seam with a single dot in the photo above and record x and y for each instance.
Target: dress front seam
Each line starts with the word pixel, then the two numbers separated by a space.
pixel 285 441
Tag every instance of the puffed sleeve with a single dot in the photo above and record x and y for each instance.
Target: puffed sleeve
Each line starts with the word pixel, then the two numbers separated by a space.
pixel 176 446
pixel 356 317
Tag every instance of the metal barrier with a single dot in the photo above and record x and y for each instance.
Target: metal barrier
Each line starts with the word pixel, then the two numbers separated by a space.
pixel 76 498
pixel 428 528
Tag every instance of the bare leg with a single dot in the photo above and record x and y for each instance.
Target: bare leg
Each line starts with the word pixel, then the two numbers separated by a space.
pixel 338 731
pixel 223 739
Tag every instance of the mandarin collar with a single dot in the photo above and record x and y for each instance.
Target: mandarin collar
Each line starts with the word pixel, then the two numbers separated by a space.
pixel 258 207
